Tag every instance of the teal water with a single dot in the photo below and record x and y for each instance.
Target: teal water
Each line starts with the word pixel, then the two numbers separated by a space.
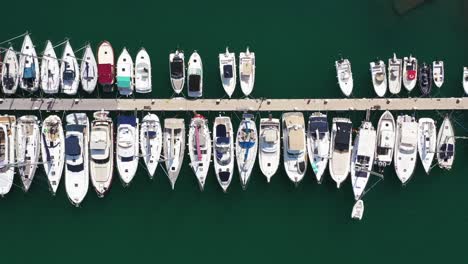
pixel 296 43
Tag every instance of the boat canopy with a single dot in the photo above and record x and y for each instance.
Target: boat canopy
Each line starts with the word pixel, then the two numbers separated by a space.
pixel 342 136
pixel 106 73
pixel 221 135
pixel 177 68
pixel 246 67
pixel 295 141
pixel 194 82
pixel 72 146
pixel 227 71
pixel 319 124
pixel 29 72
pixel 446 151
pixel 127 120
pixel 124 81
pixel 77 128
pixel 224 176
pixel 270 136
pixel 150 134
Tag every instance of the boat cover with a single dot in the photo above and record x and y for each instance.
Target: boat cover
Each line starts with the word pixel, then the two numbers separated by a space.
pixel 150 134
pixel 194 83
pixel 446 151
pixel 29 72
pixel 106 73
pixel 68 75
pixel 124 81
pixel 72 146
pixel 296 140
pixel 224 176
pixel 227 71
pixel 177 68
pixel 127 120
pixel 246 67
pixel 320 124
pixel 342 136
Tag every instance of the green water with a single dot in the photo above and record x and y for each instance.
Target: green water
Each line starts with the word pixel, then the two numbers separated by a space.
pixel 296 43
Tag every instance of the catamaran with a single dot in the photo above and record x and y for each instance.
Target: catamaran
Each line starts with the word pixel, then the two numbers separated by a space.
pixel 340 149
pixel 427 137
pixel 199 146
pixel 345 76
pixel 379 77
pixel 53 150
pixel 50 70
pixel 246 148
pixel 446 145
pixel 318 143
pixel 406 141
pixel 143 72
pixel 410 72
pixel 385 140
pixel 151 142
pixel 27 148
pixel 106 66
pixel 174 147
pixel 89 70
pixel 195 76
pixel 223 150
pixel 394 74
pixel 438 73
pixel 177 70
pixel 247 71
pixel 227 71
pixel 125 74
pixel 29 73
pixel 69 71
pixel 425 79
pixel 7 153
pixel 10 72
pixel 127 147
pixel 270 146
pixel 294 146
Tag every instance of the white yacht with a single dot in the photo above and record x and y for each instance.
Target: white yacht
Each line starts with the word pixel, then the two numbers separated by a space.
pixel 318 143
pixel 7 153
pixel 427 137
pixel 195 76
pixel 10 72
pixel 269 146
pixel 294 146
pixel 438 73
pixel 465 80
pixel 127 144
pixel 199 147
pixel 379 77
pixel 395 70
pixel 406 140
pixel 143 72
pixel 151 142
pixel 385 140
pixel 53 150
pixel 247 71
pixel 410 72
pixel 227 71
pixel 246 148
pixel 446 145
pixel 29 73
pixel 177 70
pixel 174 147
pixel 125 73
pixel 340 149
pixel 69 71
pixel 89 70
pixel 223 150
pixel 50 70
pixel 345 76
pixel 28 140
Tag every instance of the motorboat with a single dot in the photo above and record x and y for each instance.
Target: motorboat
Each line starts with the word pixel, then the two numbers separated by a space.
pixel 410 72
pixel 425 79
pixel 199 147
pixel 177 70
pixel 318 143
pixel 89 70
pixel 143 72
pixel 465 79
pixel 223 150
pixel 227 71
pixel 27 148
pixel 294 146
pixel 106 66
pixel 379 77
pixel 10 72
pixel 438 73
pixel 247 71
pixel 385 140
pixel 53 150
pixel 446 145
pixel 151 142
pixel 125 74
pixel 246 148
pixel 427 139
pixel 29 73
pixel 195 76
pixel 174 147
pixel 340 149
pixel 345 76
pixel 127 145
pixel 269 146
pixel 69 71
pixel 50 70
pixel 7 153
pixel 358 210
pixel 406 140
pixel 395 71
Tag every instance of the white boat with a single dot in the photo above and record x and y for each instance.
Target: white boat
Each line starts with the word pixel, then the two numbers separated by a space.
pixel 438 73
pixel 69 71
pixel 27 148
pixel 50 70
pixel 395 71
pixel 101 151
pixel 269 146
pixel 199 147
pixel 446 145
pixel 340 149
pixel 247 71
pixel 223 150
pixel 77 157
pixel 358 210
pixel 53 150
pixel 406 140
pixel 125 74
pixel 318 143
pixel 294 146
pixel 385 140
pixel 379 77
pixel 465 80
pixel 177 70
pixel 151 142
pixel 89 70
pixel 427 137
pixel 7 153
pixel 29 73
pixel 345 76
pixel 10 72
pixel 143 72
pixel 127 152
pixel 227 71
pixel 246 148
pixel 362 158
pixel 174 147
pixel 410 72
pixel 106 66
pixel 195 76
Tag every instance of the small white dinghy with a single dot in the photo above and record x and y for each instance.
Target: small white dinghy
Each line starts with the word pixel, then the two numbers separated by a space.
pixel 340 149
pixel 125 73
pixel 465 80
pixel 247 71
pixel 294 146
pixel 174 147
pixel 227 71
pixel 50 70
pixel 318 144
pixel 406 140
pixel 199 147
pixel 27 148
pixel 177 70
pixel 438 73
pixel 10 72
pixel 69 71
pixel 151 142
pixel 89 70
pixel 385 140
pixel 195 76
pixel 427 137
pixel 29 73
pixel 7 153
pixel 127 152
pixel 358 210
pixel 269 146
pixel 143 72
pixel 379 77
pixel 395 70
pixel 53 150
pixel 223 150
pixel 410 72
pixel 345 76
pixel 446 145
pixel 106 66
pixel 246 148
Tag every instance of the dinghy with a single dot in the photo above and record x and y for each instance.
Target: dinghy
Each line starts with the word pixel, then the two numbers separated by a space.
pixel 69 71
pixel 77 157
pixel 438 73
pixel 358 210
pixel 270 146
pixel 385 140
pixel 89 70
pixel 446 145
pixel 465 80
pixel 106 66
pixel 427 137
pixel 29 73
pixel 53 150
pixel 340 149
pixel 174 147
pixel 379 77
pixel 246 148
pixel 101 150
pixel 294 146
pixel 177 70
pixel 318 144
pixel 394 74
pixel 125 73
pixel 410 72
pixel 151 142
pixel 425 79
pixel 127 148
pixel 345 76
pixel 50 70
pixel 406 140
pixel 247 71
pixel 227 71
pixel 199 145
pixel 27 148
pixel 10 72
pixel 7 153
pixel 223 149
pixel 143 72
pixel 195 76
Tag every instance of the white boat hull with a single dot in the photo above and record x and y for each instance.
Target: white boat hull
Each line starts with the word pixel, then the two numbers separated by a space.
pixel 427 137
pixel 89 71
pixel 69 71
pixel 151 142
pixel 53 150
pixel 50 70
pixel 143 72
pixel 199 148
pixel 269 146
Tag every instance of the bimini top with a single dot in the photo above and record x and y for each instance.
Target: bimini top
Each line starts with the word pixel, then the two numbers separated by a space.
pixel 221 134
pixel 194 82
pixel 127 120
pixel 343 134
pixel 227 71
pixel 320 124
pixel 177 68
pixel 105 73
pixel 72 146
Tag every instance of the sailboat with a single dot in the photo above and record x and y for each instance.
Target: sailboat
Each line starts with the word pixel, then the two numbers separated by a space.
pixel 125 74
pixel 69 71
pixel 106 66
pixel 174 147
pixel 127 147
pixel 427 137
pixel 438 73
pixel 77 157
pixel 294 146
pixel 227 71
pixel 89 70
pixel 177 70
pixel 53 150
pixel 446 145
pixel 246 148
pixel 199 146
pixel 151 142
pixel 410 72
pixel 195 76
pixel 101 150
pixel 50 70
pixel 318 143
pixel 10 72
pixel 340 149
pixel 223 150
pixel 7 153
pixel 143 72
pixel 385 140
pixel 247 71
pixel 425 79
pixel 269 146
pixel 29 73
pixel 379 77
pixel 394 74
pixel 406 141
pixel 345 76
pixel 27 148
pixel 465 79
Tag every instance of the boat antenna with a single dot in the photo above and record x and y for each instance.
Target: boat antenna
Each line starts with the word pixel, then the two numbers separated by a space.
pixel 19 36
